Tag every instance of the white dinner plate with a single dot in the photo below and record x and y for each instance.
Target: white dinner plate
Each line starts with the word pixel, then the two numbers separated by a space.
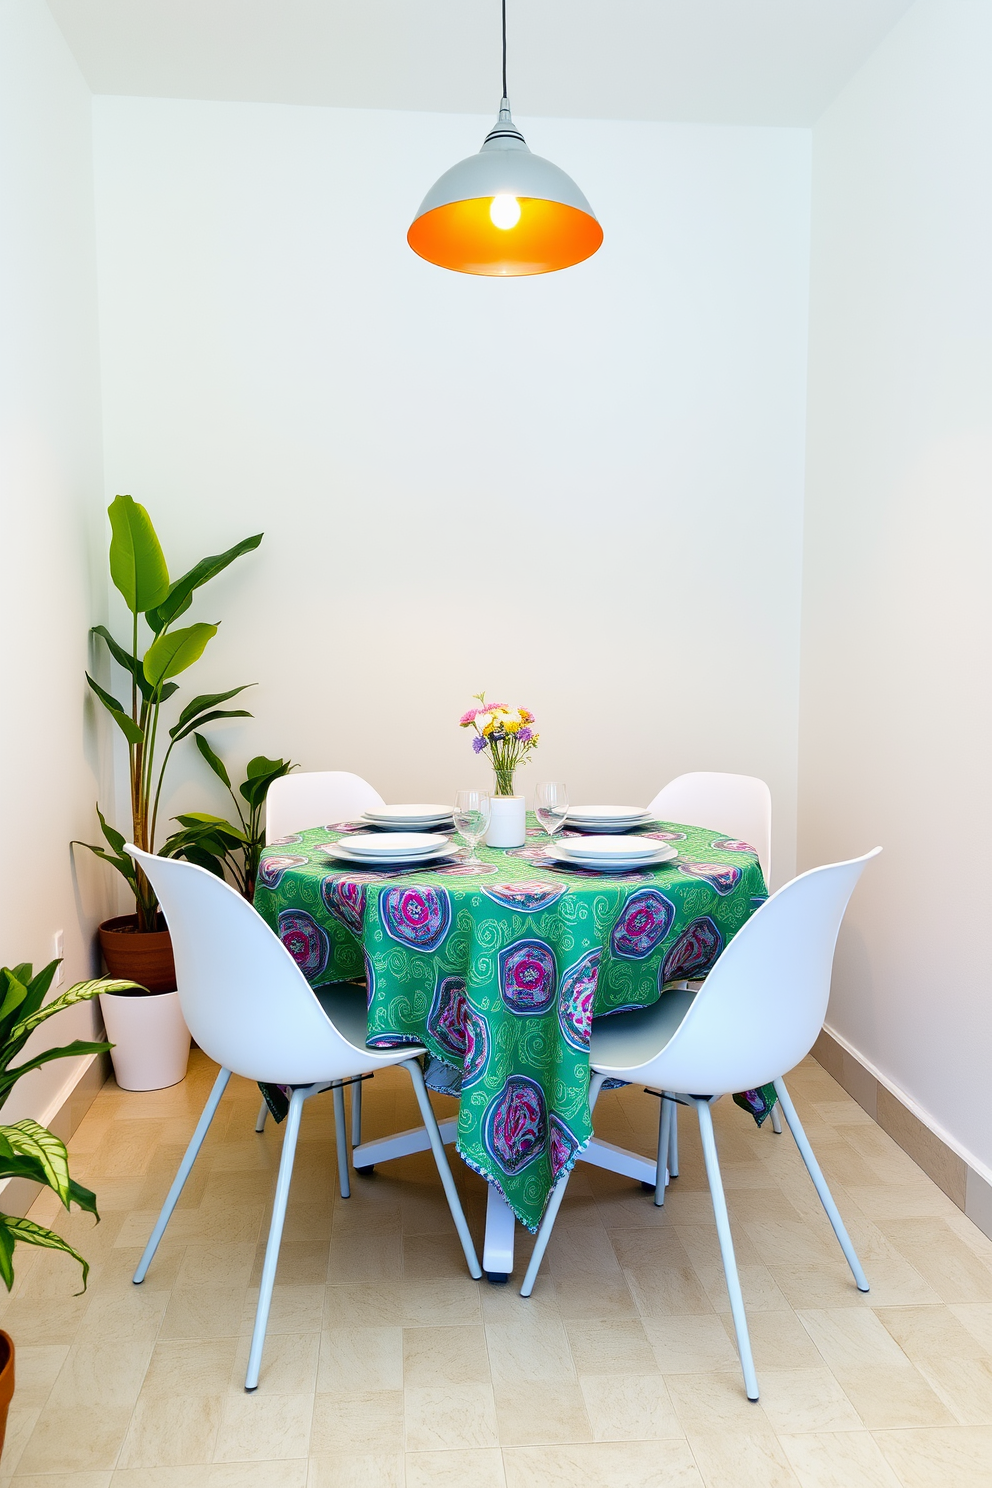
pixel 666 852
pixel 416 813
pixel 608 813
pixel 609 848
pixel 338 851
pixel 612 828
pixel 395 845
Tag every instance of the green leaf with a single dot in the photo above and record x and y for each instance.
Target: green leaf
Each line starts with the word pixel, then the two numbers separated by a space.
pixel 115 838
pixel 203 702
pixel 210 718
pixel 6 1254
pixel 125 722
pixel 180 596
pixel 84 1197
pixel 31 1140
pixel 213 760
pixel 172 654
pixel 10 1077
pixel 14 993
pixel 261 773
pixel 125 866
pixel 133 665
pixel 137 563
pixel 35 1234
pixel 80 992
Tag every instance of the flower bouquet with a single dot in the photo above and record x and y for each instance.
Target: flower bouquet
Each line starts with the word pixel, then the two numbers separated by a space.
pixel 506 733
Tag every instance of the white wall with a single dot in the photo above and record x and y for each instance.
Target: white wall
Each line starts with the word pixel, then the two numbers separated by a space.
pixel 895 741
pixel 50 533
pixel 581 492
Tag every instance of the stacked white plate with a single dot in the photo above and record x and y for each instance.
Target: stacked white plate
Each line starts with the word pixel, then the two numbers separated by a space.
pixel 421 817
pixel 612 854
pixel 610 819
pixel 370 848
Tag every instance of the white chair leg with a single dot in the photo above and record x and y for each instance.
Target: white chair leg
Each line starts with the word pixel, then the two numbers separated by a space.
pixel 820 1184
pixel 189 1158
pixel 263 1112
pixel 444 1171
pixel 275 1231
pixel 776 1120
pixel 554 1204
pixel 664 1147
pixel 341 1135
pixel 726 1247
pixel 673 1149
pixel 356 1113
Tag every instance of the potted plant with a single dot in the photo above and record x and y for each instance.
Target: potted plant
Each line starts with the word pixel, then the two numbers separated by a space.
pixel 27 1149
pixel 506 735
pixel 151 1042
pixel 214 843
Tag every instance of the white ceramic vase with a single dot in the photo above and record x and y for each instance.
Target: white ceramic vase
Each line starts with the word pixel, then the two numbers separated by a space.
pixel 507 822
pixel 150 1038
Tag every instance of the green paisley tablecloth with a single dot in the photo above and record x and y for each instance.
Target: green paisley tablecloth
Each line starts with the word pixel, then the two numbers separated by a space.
pixel 499 970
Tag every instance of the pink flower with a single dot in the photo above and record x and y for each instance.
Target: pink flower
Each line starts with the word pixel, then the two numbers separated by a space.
pixel 469 717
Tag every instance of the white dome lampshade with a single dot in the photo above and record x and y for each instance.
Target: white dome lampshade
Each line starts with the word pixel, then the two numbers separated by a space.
pixel 505 212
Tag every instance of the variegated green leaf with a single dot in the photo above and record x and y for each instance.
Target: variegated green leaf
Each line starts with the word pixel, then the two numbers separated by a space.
pixel 34 1234
pixel 79 993
pixel 32 1140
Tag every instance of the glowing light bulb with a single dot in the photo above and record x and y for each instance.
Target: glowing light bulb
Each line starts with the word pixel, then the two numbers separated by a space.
pixel 504 211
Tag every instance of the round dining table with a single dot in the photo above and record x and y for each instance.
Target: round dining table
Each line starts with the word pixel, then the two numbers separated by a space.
pixel 498 969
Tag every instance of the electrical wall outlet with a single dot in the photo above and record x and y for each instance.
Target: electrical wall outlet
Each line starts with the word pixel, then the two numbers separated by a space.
pixel 58 950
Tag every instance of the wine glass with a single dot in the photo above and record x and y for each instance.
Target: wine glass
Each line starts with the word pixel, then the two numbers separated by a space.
pixel 471 814
pixel 551 806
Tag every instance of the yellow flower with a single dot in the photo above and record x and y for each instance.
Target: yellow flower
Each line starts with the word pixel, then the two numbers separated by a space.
pixel 484 721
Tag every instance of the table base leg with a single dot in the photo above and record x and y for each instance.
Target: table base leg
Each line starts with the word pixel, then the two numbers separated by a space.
pixel 497 1257
pixel 400 1145
pixel 618 1160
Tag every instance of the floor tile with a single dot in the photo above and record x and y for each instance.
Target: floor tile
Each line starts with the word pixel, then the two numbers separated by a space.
pixel 960 1455
pixel 620 1346
pixel 450 1416
pixel 888 1396
pixel 445 1356
pixel 629 1407
pixel 482 1468
pixel 735 1456
pixel 539 1412
pixel 666 1464
pixel 358 1421
pixel 843 1459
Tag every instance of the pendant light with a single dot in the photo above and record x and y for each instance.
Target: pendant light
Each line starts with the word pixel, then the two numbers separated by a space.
pixel 505 212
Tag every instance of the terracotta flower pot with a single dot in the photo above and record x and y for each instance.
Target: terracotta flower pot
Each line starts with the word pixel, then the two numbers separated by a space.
pixel 141 956
pixel 6 1381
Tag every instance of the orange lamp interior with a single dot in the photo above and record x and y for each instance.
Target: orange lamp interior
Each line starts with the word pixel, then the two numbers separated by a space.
pixel 463 236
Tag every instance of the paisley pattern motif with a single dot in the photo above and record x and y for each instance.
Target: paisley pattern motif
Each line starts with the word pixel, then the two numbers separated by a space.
pixel 272 869
pixel 576 996
pixel 723 876
pixel 305 940
pixel 461 1032
pixel 515 1124
pixel 528 897
pixel 286 841
pixel 693 953
pixel 498 970
pixel 643 923
pixel 345 898
pixel 666 836
pixel 416 917
pixel 528 976
pixel 563 1145
pixel 732 844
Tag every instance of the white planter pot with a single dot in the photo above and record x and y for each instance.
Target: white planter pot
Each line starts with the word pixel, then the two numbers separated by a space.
pixel 508 822
pixel 150 1038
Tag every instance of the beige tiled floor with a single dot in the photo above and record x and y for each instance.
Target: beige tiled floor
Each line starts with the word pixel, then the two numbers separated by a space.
pixel 387 1366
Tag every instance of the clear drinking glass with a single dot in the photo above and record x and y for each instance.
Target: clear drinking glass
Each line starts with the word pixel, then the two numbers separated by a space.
pixel 471 813
pixel 551 806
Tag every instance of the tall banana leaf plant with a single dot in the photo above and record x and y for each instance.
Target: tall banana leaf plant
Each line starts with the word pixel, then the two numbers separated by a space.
pixel 28 1149
pixel 141 575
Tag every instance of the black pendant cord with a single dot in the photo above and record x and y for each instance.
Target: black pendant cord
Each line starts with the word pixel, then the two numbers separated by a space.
pixel 504 48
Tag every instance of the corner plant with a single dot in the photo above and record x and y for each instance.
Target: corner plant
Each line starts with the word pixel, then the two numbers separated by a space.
pixel 140 573
pixel 27 1149
pixel 506 733
pixel 212 842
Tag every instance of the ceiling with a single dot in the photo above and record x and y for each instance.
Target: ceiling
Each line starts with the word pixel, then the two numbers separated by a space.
pixel 776 62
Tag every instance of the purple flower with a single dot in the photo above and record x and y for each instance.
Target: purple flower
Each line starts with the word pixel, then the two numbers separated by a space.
pixel 478 743
pixel 524 734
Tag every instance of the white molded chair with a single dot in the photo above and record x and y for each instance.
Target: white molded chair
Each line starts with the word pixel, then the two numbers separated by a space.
pixel 250 1008
pixel 315 799
pixel 740 806
pixel 757 1014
